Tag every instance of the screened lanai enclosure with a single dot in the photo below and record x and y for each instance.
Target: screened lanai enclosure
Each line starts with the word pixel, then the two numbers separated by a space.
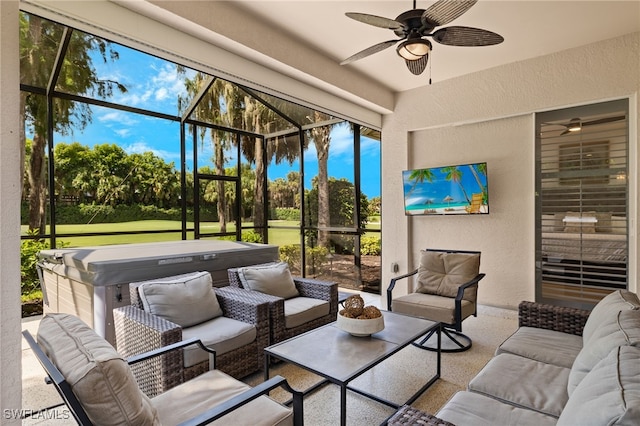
pixel 122 146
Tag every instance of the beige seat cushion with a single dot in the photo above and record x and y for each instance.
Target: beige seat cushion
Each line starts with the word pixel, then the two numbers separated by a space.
pixel 552 347
pixel 301 310
pixel 186 299
pixel 99 377
pixel 430 306
pixel 442 273
pixel 609 394
pixel 274 279
pixel 474 409
pixel 211 389
pixel 222 334
pixel 524 383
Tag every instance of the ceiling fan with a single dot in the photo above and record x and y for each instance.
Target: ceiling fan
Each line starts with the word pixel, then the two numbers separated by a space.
pixel 413 26
pixel 576 124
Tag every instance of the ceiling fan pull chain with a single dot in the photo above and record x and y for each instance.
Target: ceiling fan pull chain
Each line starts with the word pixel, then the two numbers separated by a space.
pixel 430 62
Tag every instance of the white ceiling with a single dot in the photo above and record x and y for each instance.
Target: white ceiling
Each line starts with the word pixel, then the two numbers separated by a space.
pixel 531 28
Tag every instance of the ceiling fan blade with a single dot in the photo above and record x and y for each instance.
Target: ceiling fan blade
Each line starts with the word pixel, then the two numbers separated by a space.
pixel 604 120
pixel 466 36
pixel 376 21
pixel 418 66
pixel 370 51
pixel 444 11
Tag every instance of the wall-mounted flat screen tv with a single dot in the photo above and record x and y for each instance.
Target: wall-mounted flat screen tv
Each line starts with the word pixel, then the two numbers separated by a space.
pixel 457 190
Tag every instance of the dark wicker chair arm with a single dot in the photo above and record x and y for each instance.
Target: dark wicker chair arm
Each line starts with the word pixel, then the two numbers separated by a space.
pixel 317 289
pixel 139 331
pixel 262 389
pixel 550 317
pixel 238 304
pixel 392 285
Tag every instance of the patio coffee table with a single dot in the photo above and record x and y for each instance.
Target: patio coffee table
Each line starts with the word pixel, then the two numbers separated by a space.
pixel 339 357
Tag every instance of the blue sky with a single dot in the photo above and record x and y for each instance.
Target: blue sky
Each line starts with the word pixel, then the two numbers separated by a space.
pixel 154 84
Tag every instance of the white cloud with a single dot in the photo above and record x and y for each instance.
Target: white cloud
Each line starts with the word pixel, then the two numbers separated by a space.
pixel 155 88
pixel 140 147
pixel 119 117
pixel 161 94
pixel 123 133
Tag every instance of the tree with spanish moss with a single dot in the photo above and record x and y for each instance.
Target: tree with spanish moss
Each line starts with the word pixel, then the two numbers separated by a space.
pixel 40 42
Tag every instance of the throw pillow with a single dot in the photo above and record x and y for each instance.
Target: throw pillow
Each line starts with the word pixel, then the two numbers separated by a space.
pixel 604 222
pixel 186 299
pixel 96 373
pixel 274 279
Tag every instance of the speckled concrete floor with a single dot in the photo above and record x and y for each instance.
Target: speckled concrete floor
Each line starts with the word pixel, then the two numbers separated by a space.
pixel 395 379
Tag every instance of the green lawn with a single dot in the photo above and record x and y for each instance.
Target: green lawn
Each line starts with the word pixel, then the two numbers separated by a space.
pixel 277 236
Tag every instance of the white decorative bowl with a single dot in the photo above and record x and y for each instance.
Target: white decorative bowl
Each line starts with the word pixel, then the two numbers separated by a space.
pixel 360 327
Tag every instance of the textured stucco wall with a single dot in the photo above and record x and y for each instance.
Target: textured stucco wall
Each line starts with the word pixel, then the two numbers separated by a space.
pixel 10 378
pixel 489 116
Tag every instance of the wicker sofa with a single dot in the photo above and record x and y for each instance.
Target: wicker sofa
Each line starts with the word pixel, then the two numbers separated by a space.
pixel 311 293
pixel 562 366
pixel 138 330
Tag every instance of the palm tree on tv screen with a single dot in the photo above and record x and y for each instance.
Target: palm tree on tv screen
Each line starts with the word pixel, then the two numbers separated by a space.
pixel 418 176
pixel 482 169
pixel 453 173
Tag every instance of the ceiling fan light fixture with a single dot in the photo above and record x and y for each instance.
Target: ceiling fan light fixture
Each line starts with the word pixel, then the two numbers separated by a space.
pixel 413 48
pixel 574 125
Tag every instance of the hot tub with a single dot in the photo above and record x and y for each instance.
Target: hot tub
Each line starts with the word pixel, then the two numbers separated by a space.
pixel 91 281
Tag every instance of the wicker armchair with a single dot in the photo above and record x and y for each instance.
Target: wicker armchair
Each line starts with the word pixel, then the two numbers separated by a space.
pixel 139 331
pixel 307 287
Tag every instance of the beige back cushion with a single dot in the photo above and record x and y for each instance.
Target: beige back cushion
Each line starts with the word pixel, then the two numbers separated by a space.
pixel 442 273
pixel 186 299
pixel 606 311
pixel 622 330
pixel 99 377
pixel 274 279
pixel 609 394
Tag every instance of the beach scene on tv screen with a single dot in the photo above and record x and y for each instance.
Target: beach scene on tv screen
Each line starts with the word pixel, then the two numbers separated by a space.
pixel 460 189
